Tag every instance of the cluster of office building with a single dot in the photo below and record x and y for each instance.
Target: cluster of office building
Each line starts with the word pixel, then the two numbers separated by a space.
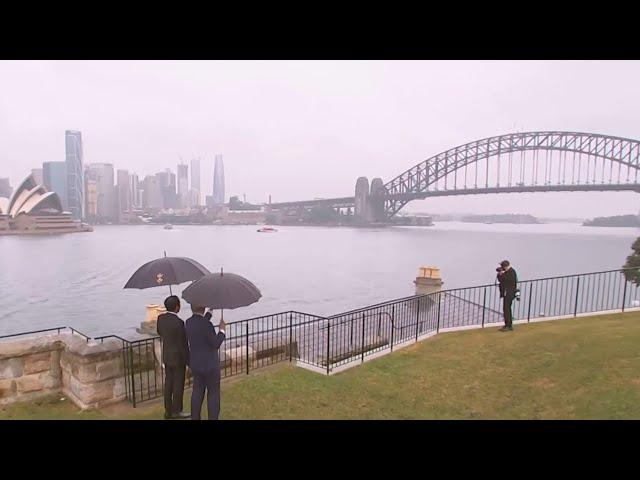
pixel 96 192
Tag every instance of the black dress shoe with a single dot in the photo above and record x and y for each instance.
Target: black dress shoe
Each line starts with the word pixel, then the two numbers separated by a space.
pixel 182 415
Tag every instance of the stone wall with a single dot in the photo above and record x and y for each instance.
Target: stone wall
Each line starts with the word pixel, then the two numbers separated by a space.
pixel 90 375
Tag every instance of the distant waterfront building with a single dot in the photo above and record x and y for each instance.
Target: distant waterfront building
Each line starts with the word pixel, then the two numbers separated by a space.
pixel 54 175
pixel 218 181
pixel 75 173
pixel 104 176
pixel 91 198
pixel 195 180
pixel 183 184
pixel 134 191
pixel 124 192
pixel 167 185
pixel 193 198
pixel 152 194
pixel 37 174
pixel 34 210
pixel 5 188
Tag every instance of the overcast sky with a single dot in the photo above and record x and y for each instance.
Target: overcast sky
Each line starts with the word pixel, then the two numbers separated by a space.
pixel 305 129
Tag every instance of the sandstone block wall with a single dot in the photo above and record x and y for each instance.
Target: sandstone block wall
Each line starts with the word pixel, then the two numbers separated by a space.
pixel 90 375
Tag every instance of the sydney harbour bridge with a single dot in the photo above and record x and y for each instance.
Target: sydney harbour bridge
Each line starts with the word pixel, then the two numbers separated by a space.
pixel 513 163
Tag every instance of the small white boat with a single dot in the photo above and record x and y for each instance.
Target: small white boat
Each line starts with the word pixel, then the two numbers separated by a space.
pixel 168 226
pixel 266 230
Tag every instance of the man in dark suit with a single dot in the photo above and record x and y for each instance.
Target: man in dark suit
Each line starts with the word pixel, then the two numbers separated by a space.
pixel 175 357
pixel 508 284
pixel 204 344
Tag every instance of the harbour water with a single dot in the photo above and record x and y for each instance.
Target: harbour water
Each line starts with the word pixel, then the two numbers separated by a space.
pixel 77 279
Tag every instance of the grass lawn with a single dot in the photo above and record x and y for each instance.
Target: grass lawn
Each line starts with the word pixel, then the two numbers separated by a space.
pixel 584 368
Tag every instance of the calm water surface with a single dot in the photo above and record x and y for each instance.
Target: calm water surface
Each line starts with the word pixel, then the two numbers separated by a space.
pixel 77 279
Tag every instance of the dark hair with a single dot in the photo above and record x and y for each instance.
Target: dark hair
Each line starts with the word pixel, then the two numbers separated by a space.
pixel 197 309
pixel 171 303
pixel 504 263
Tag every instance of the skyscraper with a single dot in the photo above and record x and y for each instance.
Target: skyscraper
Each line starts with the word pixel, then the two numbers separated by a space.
pixel 183 185
pixel 106 190
pixel 38 175
pixel 218 181
pixel 5 188
pixel 75 173
pixel 54 175
pixel 152 196
pixel 134 191
pixel 195 181
pixel 124 192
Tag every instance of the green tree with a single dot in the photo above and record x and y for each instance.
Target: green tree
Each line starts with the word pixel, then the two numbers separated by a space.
pixel 633 262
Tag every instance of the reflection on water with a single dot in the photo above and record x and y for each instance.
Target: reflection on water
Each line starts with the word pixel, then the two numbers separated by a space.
pixel 77 279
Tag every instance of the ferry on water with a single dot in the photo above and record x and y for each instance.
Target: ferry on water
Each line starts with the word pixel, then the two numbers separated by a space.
pixel 266 230
pixel 168 226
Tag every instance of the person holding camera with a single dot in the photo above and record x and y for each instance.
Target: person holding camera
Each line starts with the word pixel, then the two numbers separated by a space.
pixel 508 284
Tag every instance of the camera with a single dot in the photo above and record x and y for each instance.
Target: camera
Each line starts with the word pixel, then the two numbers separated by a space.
pixel 518 295
pixel 499 270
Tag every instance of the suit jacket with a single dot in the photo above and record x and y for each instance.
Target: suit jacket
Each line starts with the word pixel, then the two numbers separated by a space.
pixel 508 282
pixel 175 349
pixel 204 344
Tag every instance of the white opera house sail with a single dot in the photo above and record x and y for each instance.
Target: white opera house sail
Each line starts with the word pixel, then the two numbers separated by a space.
pixel 32 209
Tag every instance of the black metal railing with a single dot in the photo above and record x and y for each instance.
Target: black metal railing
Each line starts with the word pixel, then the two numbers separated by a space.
pixel 331 342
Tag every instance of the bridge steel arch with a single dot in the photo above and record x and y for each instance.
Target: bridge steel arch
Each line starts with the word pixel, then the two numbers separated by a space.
pixel 421 181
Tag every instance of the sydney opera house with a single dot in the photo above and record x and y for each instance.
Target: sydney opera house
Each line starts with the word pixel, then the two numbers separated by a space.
pixel 34 210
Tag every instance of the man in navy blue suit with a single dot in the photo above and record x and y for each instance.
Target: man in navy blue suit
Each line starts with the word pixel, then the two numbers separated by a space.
pixel 204 344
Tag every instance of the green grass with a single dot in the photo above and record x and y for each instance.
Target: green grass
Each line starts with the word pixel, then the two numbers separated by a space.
pixel 585 368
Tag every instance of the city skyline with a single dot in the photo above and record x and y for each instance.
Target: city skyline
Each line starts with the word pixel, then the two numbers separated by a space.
pixel 305 129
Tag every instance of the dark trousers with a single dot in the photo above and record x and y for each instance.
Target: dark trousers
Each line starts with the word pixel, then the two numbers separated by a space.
pixel 173 388
pixel 208 382
pixel 506 306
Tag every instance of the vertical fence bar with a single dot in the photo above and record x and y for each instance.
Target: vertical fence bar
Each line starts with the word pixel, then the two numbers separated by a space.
pixel 363 327
pixel 484 305
pixel 438 324
pixel 328 345
pixel 624 292
pixel 530 297
pixel 133 378
pixel 247 345
pixel 290 337
pixel 417 317
pixel 393 311
pixel 575 308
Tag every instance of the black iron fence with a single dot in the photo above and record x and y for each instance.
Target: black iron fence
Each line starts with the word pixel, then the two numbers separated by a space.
pixel 328 343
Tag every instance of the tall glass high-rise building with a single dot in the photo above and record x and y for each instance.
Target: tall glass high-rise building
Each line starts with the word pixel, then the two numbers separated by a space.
pixel 194 191
pixel 75 173
pixel 134 191
pixel 218 181
pixel 195 174
pixel 54 175
pixel 107 199
pixel 183 184
pixel 123 190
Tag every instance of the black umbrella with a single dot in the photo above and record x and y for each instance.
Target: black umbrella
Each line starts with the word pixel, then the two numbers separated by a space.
pixel 221 290
pixel 166 271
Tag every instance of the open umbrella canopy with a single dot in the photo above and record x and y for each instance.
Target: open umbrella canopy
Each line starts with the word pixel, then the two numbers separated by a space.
pixel 166 271
pixel 221 291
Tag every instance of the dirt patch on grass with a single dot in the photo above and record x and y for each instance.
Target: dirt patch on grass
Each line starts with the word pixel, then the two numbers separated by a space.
pixel 636 382
pixel 543 383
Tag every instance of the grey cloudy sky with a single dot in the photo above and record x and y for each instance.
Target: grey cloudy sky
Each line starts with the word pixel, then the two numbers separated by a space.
pixel 304 129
